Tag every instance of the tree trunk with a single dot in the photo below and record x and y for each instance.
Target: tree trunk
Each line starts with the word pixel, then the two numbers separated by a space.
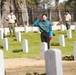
pixel 5 12
pixel 0 13
pixel 19 9
pixel 12 5
pixel 58 11
pixel 24 13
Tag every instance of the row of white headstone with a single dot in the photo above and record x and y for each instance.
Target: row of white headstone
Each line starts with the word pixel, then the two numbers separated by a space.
pixel 26 29
pixel 25 42
pixel 18 37
pixel 24 45
pixel 52 57
pixel 62 27
pixel 69 34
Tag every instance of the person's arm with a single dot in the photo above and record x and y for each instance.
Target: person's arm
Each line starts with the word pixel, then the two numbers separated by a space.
pixel 36 22
pixel 7 18
pixel 70 17
pixel 15 19
pixel 50 32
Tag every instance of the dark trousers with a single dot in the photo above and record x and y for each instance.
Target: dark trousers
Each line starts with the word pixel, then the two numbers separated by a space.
pixel 44 38
pixel 67 25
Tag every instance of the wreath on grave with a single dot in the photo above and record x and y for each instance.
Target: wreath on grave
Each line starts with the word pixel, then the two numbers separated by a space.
pixel 15 39
pixel 71 57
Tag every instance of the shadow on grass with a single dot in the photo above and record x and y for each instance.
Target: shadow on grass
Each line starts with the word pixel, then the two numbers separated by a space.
pixel 1 47
pixel 17 50
pixel 55 44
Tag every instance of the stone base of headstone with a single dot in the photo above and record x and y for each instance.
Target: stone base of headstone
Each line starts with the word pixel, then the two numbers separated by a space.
pixel 18 36
pixel 69 33
pixel 1 63
pixel 43 48
pixel 61 40
pixel 53 62
pixel 62 27
pixel 25 46
pixel 5 43
pixel 75 51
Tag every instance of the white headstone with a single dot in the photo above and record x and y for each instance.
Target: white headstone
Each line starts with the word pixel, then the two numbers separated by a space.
pixel 53 62
pixel 62 27
pixel 1 63
pixel 38 30
pixel 25 46
pixel 69 33
pixel 75 51
pixel 5 43
pixel 18 36
pixel 26 29
pixel 62 40
pixel 1 34
pixel 75 27
pixel 55 23
pixel 5 31
pixel 43 48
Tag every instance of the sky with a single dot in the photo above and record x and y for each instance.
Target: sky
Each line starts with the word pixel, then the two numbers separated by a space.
pixel 52 3
pixel 62 0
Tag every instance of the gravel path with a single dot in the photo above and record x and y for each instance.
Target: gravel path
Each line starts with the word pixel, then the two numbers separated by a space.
pixel 21 66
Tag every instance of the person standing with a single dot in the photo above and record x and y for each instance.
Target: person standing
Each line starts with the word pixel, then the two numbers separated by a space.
pixel 11 20
pixel 67 19
pixel 45 28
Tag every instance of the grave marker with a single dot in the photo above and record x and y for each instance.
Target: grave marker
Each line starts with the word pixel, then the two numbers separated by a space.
pixel 69 33
pixel 1 34
pixel 61 40
pixel 18 36
pixel 62 27
pixel 5 31
pixel 25 46
pixel 1 63
pixel 5 43
pixel 43 48
pixel 26 29
pixel 75 27
pixel 53 62
pixel 75 51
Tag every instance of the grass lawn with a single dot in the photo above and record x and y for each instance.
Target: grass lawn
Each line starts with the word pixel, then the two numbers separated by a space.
pixel 15 48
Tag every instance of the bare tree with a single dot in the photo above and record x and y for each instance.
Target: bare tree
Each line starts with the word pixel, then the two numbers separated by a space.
pixel 58 11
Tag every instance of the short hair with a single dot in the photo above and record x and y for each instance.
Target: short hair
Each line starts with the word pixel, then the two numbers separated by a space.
pixel 11 11
pixel 67 11
pixel 44 14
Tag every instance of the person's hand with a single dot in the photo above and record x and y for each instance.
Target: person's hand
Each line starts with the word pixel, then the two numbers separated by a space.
pixel 15 24
pixel 40 18
pixel 50 38
pixel 6 19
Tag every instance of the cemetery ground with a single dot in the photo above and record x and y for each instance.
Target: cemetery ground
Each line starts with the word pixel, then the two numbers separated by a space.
pixel 20 63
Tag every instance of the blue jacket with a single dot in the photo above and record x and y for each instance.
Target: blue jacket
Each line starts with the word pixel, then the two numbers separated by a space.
pixel 44 26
